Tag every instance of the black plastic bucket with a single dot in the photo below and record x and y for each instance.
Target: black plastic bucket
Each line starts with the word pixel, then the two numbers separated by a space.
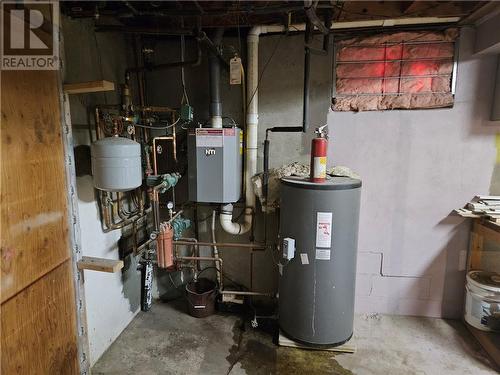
pixel 201 297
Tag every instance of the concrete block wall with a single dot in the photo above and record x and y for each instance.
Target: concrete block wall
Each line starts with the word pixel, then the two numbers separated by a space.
pixel 417 166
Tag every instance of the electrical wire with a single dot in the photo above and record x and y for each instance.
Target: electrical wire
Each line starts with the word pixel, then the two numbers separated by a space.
pixel 264 69
pixel 183 81
pixel 158 127
pixel 241 286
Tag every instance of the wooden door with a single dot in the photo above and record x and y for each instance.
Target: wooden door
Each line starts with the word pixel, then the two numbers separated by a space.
pixel 38 317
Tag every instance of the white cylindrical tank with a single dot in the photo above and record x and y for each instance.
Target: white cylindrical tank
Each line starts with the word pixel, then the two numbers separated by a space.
pixel 116 164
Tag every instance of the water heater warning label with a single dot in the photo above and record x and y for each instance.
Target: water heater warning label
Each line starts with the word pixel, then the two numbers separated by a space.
pixel 324 229
pixel 322 254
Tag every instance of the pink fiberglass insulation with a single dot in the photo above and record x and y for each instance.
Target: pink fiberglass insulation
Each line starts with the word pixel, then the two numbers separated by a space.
pixel 403 70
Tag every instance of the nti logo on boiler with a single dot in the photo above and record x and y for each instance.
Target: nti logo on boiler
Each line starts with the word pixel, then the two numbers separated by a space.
pixel 30 35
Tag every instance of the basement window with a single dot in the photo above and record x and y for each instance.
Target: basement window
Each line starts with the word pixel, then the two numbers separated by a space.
pixel 403 70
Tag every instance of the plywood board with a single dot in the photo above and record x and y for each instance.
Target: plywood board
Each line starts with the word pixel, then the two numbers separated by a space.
pixel 38 309
pixel 39 327
pixel 34 231
pixel 348 347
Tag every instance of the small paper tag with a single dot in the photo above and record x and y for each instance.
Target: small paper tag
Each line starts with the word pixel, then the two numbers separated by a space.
pixel 322 254
pixel 235 71
pixel 304 258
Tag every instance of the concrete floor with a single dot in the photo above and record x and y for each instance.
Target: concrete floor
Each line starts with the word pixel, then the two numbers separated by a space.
pixel 168 341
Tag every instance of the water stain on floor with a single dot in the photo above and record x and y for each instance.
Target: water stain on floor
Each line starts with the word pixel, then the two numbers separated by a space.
pixel 255 353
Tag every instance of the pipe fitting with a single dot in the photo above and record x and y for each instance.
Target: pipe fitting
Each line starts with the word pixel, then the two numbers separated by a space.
pixel 226 220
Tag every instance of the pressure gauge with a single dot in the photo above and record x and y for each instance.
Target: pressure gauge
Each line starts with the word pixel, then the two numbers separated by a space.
pixel 170 205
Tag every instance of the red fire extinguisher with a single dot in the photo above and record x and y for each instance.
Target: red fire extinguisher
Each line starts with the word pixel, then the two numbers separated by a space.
pixel 319 148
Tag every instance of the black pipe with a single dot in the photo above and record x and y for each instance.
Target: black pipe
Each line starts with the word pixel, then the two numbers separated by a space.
pixel 212 48
pixel 214 76
pixel 307 63
pixel 193 62
pixel 265 175
pixel 144 30
pixel 307 69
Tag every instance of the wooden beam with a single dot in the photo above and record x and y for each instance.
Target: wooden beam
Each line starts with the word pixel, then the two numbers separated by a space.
pixel 100 264
pixel 482 229
pixel 88 87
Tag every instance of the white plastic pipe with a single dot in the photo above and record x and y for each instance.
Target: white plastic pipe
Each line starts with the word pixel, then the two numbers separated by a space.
pixel 252 123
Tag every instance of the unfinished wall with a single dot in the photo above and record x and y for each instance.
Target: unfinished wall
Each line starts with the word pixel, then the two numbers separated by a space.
pixel 112 299
pixel 417 166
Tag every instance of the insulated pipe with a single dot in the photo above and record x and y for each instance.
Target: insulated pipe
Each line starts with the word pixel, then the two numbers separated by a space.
pixel 214 83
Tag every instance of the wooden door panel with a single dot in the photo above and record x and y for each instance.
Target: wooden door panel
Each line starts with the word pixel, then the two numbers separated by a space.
pixel 38 314
pixel 38 327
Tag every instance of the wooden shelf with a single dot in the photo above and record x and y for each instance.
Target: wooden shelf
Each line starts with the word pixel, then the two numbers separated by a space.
pixel 100 264
pixel 483 230
pixel 490 341
pixel 88 87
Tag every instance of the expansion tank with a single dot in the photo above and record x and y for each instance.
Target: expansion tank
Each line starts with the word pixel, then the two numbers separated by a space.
pixel 319 228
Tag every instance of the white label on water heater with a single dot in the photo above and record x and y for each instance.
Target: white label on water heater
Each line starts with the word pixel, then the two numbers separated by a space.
pixel 319 167
pixel 322 254
pixel 324 229
pixel 304 259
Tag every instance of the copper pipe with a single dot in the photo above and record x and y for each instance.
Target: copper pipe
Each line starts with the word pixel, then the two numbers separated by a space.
pixel 242 293
pixel 106 214
pixel 200 258
pixel 196 249
pixel 159 250
pixel 158 109
pixel 143 246
pixel 174 142
pixel 97 121
pixel 223 244
pixel 140 199
pixel 221 286
pixel 168 247
pixel 119 206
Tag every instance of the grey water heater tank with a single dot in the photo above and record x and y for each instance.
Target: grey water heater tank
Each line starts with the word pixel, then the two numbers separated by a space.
pixel 319 228
pixel 116 164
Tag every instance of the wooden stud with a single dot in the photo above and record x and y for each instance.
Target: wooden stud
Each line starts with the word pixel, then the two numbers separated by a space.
pixel 100 264
pixel 476 250
pixel 486 231
pixel 88 87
